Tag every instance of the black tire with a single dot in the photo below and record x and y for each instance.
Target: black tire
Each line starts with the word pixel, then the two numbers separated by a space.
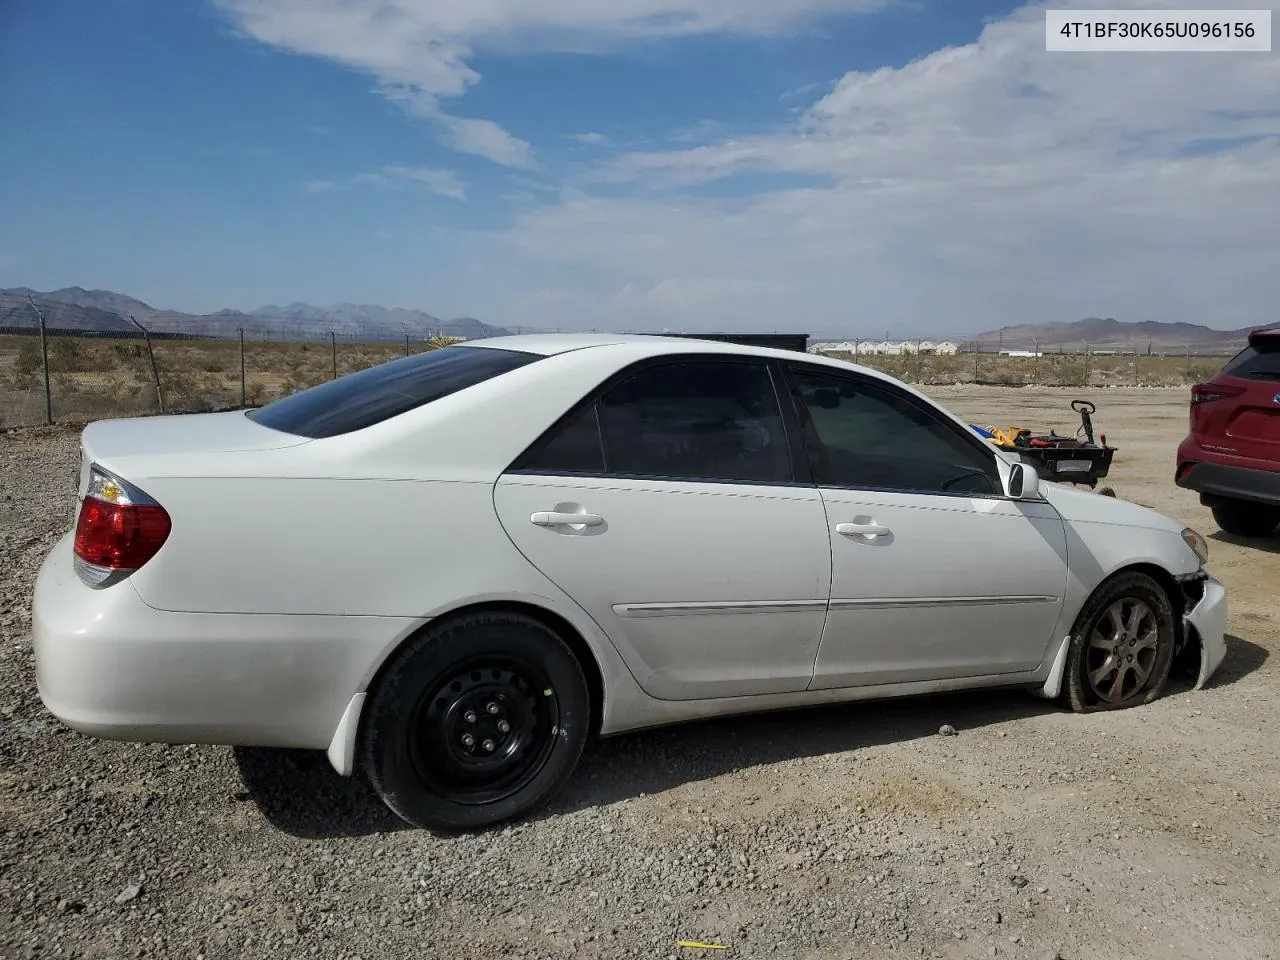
pixel 1244 519
pixel 1118 663
pixel 468 678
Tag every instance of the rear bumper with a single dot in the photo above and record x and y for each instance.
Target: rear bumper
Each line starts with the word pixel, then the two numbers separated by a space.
pixel 110 666
pixel 1217 480
pixel 1208 618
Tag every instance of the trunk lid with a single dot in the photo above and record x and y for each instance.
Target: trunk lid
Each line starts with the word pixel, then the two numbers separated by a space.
pixel 110 441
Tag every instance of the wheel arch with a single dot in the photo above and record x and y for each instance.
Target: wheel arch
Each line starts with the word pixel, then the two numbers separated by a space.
pixel 556 622
pixel 1186 648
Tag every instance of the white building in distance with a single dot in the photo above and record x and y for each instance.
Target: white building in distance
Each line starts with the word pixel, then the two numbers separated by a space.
pixel 872 348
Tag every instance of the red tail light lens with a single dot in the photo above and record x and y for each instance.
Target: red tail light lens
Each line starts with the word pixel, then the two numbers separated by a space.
pixel 119 529
pixel 1209 392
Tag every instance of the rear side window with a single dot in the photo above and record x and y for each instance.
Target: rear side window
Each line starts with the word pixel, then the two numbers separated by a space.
pixel 362 399
pixel 696 420
pixel 687 419
pixel 1256 363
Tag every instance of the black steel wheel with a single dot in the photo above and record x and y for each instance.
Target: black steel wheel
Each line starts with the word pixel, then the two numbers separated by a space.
pixel 485 730
pixel 1122 645
pixel 475 722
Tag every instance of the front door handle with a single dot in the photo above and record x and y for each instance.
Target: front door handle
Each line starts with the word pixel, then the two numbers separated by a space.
pixel 862 530
pixel 551 518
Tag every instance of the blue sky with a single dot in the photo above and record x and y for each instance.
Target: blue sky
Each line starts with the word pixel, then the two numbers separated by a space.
pixel 841 167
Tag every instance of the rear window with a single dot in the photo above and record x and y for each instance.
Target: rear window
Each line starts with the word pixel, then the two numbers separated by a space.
pixel 1261 362
pixel 362 399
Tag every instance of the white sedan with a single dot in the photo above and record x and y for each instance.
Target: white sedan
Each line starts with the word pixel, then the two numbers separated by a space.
pixel 450 570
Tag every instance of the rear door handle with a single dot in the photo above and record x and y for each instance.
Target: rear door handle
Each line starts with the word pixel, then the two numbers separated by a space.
pixel 551 518
pixel 862 530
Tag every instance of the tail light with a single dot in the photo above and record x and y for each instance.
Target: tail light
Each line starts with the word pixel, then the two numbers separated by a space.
pixel 1209 392
pixel 119 529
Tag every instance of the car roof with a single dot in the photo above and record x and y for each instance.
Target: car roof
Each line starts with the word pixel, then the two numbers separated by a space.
pixel 637 346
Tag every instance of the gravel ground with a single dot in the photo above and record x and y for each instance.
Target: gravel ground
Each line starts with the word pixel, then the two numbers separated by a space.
pixel 855 831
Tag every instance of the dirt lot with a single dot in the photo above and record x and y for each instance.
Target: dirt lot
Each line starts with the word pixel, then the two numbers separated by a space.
pixel 844 832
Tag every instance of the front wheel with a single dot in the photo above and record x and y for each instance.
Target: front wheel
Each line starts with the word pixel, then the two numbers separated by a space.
pixel 1121 647
pixel 476 722
pixel 1244 519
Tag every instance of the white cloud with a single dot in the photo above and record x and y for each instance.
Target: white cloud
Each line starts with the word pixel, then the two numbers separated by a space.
pixel 986 184
pixel 590 138
pixel 484 138
pixel 445 183
pixel 417 50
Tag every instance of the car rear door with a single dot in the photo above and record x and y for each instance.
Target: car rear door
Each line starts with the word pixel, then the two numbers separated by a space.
pixel 935 573
pixel 666 506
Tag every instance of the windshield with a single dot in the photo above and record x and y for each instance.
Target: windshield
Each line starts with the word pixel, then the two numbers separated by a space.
pixel 362 399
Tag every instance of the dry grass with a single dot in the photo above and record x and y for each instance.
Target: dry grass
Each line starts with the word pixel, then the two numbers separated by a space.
pixel 93 378
pixel 1051 370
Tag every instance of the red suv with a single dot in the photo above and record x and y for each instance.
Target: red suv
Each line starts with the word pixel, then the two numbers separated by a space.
pixel 1232 455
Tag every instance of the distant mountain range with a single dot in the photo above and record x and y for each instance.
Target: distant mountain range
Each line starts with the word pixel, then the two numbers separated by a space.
pixel 1114 334
pixel 105 311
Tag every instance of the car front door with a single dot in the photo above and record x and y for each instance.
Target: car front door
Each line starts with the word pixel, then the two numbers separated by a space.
pixel 935 572
pixel 666 506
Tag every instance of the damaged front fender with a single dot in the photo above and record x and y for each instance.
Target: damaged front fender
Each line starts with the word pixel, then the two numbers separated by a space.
pixel 1204 621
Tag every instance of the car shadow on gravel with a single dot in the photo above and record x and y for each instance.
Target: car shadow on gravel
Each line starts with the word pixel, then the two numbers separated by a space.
pixel 298 793
pixel 1242 659
pixel 657 760
pixel 1265 544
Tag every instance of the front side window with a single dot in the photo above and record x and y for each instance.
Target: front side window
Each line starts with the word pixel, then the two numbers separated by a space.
pixel 859 434
pixel 688 419
pixel 379 393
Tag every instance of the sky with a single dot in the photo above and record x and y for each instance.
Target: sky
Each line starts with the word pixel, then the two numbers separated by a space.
pixel 831 167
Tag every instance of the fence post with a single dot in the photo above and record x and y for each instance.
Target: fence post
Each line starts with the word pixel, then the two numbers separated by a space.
pixel 1035 362
pixel 243 392
pixel 406 344
pixel 151 354
pixel 333 344
pixel 977 349
pixel 919 361
pixel 1085 381
pixel 44 353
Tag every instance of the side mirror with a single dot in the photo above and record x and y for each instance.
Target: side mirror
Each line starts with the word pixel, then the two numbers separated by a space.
pixel 1024 482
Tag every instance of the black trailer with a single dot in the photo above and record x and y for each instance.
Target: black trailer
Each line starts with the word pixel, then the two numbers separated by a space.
pixel 1080 459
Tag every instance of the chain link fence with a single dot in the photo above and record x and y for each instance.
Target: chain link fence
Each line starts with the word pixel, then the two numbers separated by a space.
pixel 51 374
pixel 68 376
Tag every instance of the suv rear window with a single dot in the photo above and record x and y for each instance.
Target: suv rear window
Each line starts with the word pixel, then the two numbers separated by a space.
pixel 362 399
pixel 1261 362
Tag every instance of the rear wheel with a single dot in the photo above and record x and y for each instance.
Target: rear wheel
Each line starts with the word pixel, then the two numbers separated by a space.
pixel 1244 519
pixel 1122 646
pixel 475 722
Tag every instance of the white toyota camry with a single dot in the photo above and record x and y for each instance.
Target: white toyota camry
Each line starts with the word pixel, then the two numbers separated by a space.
pixel 449 570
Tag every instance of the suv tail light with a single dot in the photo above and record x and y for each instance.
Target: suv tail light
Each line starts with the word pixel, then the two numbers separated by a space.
pixel 1209 392
pixel 119 529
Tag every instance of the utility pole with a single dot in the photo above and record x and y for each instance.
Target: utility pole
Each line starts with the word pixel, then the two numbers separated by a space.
pixel 242 389
pixel 155 373
pixel 44 353
pixel 333 344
